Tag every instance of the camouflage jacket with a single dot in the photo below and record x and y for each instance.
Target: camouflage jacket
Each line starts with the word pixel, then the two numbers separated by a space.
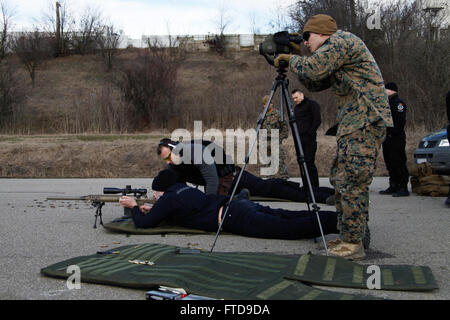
pixel 344 64
pixel 273 121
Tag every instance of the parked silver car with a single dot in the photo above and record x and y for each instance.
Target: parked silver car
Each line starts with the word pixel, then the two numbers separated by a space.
pixel 434 149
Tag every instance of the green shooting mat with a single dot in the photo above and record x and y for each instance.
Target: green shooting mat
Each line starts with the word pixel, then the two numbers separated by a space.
pixel 263 199
pixel 232 275
pixel 126 225
pixel 222 275
pixel 339 272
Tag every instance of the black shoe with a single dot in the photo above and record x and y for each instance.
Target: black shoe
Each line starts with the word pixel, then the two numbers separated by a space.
pixel 392 188
pixel 244 194
pixel 447 201
pixel 402 192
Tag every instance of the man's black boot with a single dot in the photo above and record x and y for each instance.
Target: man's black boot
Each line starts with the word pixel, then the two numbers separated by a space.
pixel 244 194
pixel 401 192
pixel 447 201
pixel 392 188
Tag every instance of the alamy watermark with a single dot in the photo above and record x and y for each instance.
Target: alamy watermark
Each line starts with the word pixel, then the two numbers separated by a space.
pixel 74 280
pixel 374 280
pixel 230 147
pixel 374 14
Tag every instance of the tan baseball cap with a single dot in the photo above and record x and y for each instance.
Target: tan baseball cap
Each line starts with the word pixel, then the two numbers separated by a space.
pixel 321 24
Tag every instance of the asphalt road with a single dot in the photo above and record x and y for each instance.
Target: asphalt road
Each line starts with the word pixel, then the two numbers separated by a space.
pixel 34 234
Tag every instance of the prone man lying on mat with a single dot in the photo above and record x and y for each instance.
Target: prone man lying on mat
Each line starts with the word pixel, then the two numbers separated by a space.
pixel 182 205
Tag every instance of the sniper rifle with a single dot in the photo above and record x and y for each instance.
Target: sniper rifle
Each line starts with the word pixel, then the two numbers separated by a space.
pixel 110 195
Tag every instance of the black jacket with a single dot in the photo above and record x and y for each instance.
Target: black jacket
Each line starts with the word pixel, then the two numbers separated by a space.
pixel 307 116
pixel 199 170
pixel 447 102
pixel 398 110
pixel 182 206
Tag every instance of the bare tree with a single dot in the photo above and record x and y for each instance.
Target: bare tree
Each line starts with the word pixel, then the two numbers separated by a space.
pixel 5 24
pixel 279 20
pixel 222 20
pixel 149 84
pixel 108 43
pixel 343 11
pixel 88 29
pixel 254 25
pixel 11 96
pixel 32 48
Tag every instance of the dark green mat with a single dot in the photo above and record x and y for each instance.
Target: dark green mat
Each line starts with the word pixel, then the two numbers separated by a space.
pixel 224 275
pixel 338 272
pixel 263 199
pixel 126 225
pixel 231 275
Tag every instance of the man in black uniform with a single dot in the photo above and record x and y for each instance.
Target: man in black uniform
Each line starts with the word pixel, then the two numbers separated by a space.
pixel 307 116
pixel 178 204
pixel 394 146
pixel 447 102
pixel 205 163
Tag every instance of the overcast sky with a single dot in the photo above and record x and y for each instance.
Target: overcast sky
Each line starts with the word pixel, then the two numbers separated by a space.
pixel 137 17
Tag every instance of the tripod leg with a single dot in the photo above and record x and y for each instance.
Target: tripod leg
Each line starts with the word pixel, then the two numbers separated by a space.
pixel 260 122
pixel 301 157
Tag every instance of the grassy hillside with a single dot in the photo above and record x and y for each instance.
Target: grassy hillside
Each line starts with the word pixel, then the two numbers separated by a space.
pixel 70 117
pixel 122 156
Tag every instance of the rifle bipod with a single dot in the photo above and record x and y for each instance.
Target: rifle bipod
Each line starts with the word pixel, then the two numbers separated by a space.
pixel 98 212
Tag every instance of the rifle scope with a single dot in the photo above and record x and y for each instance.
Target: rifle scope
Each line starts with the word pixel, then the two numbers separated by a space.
pixel 127 190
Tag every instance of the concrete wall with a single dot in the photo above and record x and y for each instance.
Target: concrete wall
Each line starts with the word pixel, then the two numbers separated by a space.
pixel 236 42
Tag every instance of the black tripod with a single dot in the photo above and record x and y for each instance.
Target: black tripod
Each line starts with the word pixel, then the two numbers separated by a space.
pixel 282 81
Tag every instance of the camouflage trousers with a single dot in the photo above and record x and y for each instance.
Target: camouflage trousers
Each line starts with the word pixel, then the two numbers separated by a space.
pixel 282 172
pixel 351 174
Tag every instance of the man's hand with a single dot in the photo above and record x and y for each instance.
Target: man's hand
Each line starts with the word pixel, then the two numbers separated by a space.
pixel 282 57
pixel 145 208
pixel 295 48
pixel 127 202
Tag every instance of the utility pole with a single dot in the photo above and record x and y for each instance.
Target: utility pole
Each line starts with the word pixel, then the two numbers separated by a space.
pixel 58 45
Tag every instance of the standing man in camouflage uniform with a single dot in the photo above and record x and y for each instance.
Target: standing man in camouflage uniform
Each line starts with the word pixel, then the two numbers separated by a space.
pixel 273 121
pixel 342 62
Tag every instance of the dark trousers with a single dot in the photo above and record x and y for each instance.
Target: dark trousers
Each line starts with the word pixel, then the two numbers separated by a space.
pixel 280 188
pixel 448 138
pixel 309 145
pixel 251 219
pixel 395 159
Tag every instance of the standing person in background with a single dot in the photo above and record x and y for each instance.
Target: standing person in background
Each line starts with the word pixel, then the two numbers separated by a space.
pixel 447 102
pixel 307 116
pixel 394 146
pixel 273 121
